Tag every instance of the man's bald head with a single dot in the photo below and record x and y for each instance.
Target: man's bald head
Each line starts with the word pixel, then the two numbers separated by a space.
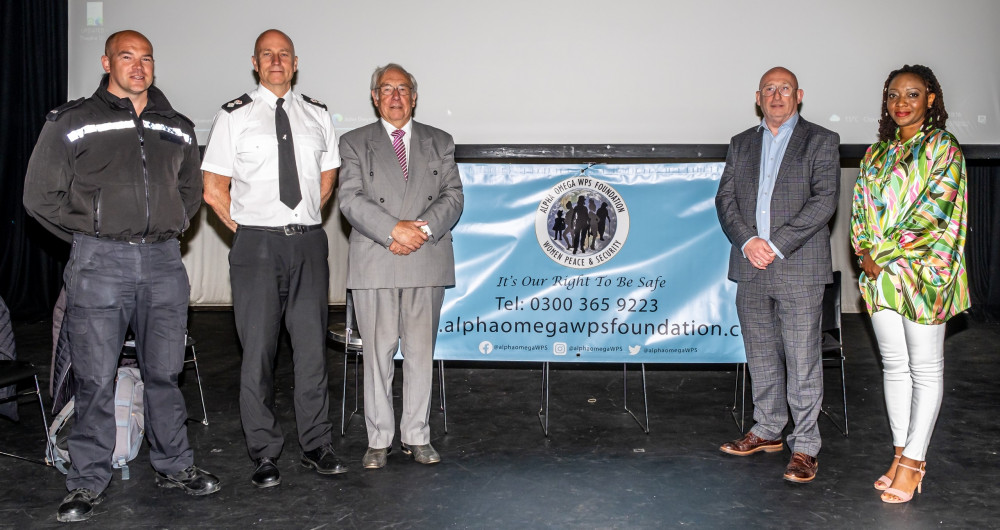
pixel 109 45
pixel 268 33
pixel 778 70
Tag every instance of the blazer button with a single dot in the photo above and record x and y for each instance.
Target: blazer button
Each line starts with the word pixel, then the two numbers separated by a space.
pixel 435 172
pixel 430 198
pixel 381 199
pixel 371 173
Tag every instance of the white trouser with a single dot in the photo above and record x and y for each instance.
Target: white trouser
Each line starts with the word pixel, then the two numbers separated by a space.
pixel 913 368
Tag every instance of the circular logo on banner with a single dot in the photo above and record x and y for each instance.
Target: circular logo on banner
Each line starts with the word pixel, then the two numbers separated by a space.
pixel 581 223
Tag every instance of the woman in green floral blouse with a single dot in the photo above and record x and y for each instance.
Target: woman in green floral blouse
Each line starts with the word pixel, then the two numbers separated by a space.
pixel 908 226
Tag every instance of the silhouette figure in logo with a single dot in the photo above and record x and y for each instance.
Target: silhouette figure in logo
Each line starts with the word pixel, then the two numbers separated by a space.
pixel 592 210
pixel 570 225
pixel 602 219
pixel 581 220
pixel 558 226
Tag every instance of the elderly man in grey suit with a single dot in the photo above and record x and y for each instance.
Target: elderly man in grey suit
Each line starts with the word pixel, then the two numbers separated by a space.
pixel 402 194
pixel 777 193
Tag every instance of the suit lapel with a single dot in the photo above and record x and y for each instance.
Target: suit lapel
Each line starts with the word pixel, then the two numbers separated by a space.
pixel 753 169
pixel 417 164
pixel 793 152
pixel 380 144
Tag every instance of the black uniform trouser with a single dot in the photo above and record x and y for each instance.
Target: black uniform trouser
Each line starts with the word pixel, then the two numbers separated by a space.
pixel 275 275
pixel 110 285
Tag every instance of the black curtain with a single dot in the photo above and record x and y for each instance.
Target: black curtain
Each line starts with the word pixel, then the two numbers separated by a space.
pixel 982 242
pixel 33 47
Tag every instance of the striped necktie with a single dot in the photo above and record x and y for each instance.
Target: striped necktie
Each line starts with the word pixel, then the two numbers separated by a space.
pixel 397 145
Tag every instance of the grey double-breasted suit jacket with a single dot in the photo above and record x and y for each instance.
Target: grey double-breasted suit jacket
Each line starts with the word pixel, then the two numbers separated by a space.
pixel 374 197
pixel 805 197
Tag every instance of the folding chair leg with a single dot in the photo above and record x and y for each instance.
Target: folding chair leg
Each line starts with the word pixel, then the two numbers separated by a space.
pixel 45 429
pixel 740 397
pixel 201 391
pixel 345 417
pixel 343 401
pixel 843 396
pixel 843 387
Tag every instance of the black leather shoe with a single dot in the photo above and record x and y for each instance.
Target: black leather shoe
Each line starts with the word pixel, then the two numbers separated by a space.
pixel 78 505
pixel 192 480
pixel 266 474
pixel 323 460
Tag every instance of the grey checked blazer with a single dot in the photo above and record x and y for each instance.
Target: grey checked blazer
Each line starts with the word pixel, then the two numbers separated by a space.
pixel 805 197
pixel 374 197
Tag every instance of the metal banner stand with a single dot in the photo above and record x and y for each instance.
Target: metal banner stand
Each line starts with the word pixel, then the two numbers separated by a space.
pixel 645 401
pixel 444 406
pixel 543 410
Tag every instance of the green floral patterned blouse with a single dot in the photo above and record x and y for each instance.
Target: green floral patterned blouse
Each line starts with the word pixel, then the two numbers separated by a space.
pixel 909 210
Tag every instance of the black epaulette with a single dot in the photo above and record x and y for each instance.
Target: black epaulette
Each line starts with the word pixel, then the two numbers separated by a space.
pixel 236 103
pixel 316 102
pixel 54 114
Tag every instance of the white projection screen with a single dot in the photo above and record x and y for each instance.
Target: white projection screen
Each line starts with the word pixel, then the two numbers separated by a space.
pixel 556 72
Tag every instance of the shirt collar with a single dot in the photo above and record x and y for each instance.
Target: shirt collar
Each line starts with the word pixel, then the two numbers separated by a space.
pixel 920 134
pixel 389 128
pixel 265 95
pixel 787 126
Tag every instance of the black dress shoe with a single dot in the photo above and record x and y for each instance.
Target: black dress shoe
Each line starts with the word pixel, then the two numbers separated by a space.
pixel 323 460
pixel 266 474
pixel 78 505
pixel 192 480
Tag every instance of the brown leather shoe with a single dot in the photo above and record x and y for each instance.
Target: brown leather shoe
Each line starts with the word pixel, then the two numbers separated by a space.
pixel 801 468
pixel 750 444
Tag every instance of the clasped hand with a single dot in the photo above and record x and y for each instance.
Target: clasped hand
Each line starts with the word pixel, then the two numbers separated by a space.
pixel 407 237
pixel 759 253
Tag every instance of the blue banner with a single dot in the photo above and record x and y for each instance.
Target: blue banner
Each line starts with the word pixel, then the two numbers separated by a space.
pixel 577 263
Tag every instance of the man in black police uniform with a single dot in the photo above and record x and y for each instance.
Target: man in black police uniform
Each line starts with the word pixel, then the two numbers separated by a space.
pixel 269 168
pixel 117 173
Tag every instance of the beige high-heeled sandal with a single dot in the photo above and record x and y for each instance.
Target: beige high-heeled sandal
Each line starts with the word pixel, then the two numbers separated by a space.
pixel 884 481
pixel 896 496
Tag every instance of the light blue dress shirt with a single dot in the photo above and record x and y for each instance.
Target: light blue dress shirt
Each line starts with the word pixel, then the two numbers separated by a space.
pixel 772 151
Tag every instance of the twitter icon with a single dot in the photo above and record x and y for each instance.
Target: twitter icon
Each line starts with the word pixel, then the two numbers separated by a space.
pixel 632 350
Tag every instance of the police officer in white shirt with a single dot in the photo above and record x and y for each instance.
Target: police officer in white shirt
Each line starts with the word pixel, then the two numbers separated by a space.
pixel 269 167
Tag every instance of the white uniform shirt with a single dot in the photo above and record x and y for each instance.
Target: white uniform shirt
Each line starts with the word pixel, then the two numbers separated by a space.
pixel 243 145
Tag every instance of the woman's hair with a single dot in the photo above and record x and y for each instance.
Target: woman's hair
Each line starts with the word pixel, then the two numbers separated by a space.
pixel 936 115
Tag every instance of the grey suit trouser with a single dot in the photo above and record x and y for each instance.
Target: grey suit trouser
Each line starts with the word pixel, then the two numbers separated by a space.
pixel 111 285
pixel 781 323
pixel 389 319
pixel 275 275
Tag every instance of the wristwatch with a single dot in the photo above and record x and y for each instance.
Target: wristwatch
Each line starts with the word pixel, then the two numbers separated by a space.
pixel 388 241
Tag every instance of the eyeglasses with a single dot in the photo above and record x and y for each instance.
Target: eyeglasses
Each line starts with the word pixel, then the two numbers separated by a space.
pixel 387 90
pixel 769 90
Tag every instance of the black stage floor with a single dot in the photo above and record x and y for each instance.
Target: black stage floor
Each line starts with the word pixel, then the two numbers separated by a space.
pixel 596 469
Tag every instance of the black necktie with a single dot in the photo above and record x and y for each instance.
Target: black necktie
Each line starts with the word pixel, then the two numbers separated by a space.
pixel 288 175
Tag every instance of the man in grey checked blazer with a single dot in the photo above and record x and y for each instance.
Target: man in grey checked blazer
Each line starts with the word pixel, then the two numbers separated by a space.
pixel 777 193
pixel 401 258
